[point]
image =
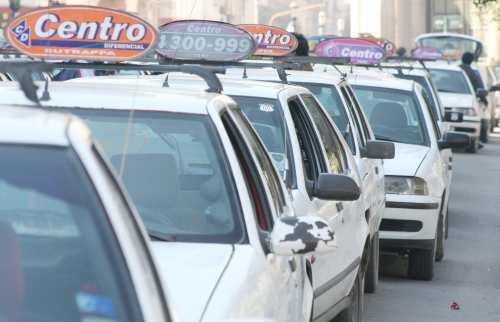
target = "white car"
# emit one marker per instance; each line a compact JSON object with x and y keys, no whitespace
{"x":71,"y":245}
{"x":415,"y":182}
{"x":457,"y":94}
{"x":338,"y":100}
{"x":227,"y":240}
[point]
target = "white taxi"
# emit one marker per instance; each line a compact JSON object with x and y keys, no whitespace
{"x":416,"y":180}
{"x":338,"y":100}
{"x":71,"y":245}
{"x":457,"y":94}
{"x":225,"y":235}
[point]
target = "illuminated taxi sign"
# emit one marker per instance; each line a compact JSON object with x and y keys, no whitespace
{"x":202,"y":40}
{"x":81,"y":32}
{"x":272,"y":41}
{"x":388,"y":46}
{"x":427,"y":53}
{"x":359,"y":51}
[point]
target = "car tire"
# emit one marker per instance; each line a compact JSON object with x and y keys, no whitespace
{"x":440,"y":239}
{"x":421,"y":263}
{"x":447,"y":223}
{"x":473,"y":147}
{"x":372,"y":271}
{"x":354,"y":312}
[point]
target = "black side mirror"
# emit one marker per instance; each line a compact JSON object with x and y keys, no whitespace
{"x":495,"y":88}
{"x":482,"y":94}
{"x":454,"y":117}
{"x":335,"y":187}
{"x":378,"y":150}
{"x":454,"y":140}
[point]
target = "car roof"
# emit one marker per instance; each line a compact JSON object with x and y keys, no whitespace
{"x":445,"y":34}
{"x":186,"y":83}
{"x":443,"y":64}
{"x":33,"y":126}
{"x":89,"y":93}
{"x":270,"y":74}
{"x":384,"y":82}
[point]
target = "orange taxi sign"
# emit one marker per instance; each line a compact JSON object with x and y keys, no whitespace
{"x":271,"y":41}
{"x":81,"y":32}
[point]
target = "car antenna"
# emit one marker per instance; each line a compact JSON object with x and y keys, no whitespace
{"x":165,"y":82}
{"x":245,"y":75}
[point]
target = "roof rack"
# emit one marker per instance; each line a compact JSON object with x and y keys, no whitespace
{"x":23,"y":71}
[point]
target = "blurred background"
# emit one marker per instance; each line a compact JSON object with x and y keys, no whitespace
{"x":397,"y":20}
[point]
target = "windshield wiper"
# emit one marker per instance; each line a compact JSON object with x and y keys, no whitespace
{"x":158,"y":236}
{"x":384,"y":138}
{"x":447,"y":91}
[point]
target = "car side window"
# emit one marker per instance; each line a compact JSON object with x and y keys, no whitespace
{"x":435,"y":125}
{"x":360,"y":113}
{"x":312,"y":159}
{"x":336,"y":156}
{"x":244,"y":142}
{"x":361,"y":137}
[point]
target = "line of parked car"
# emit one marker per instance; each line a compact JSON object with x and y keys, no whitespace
{"x":222,"y":191}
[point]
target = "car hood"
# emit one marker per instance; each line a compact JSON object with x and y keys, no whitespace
{"x":457,"y":100}
{"x":190,"y":272}
{"x":407,"y":159}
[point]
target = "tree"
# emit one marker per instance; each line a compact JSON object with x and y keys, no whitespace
{"x":480,"y":3}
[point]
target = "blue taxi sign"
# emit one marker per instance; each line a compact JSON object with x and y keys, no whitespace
{"x":203,"y":40}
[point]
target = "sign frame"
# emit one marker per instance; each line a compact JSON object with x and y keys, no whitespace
{"x":150,"y":31}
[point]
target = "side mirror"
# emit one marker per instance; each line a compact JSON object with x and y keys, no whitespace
{"x":301,"y":235}
{"x":335,"y":187}
{"x":454,"y":117}
{"x":454,"y":140}
{"x":379,"y":150}
{"x":495,"y":88}
{"x":482,"y":93}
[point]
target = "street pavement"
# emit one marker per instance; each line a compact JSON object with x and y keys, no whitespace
{"x":470,"y":272}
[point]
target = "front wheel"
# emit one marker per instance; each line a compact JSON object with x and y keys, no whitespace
{"x":440,"y":239}
{"x":421,"y":263}
{"x":372,"y":271}
{"x":473,"y":147}
{"x":354,"y":312}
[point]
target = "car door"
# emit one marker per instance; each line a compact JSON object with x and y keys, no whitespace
{"x":290,"y":286}
{"x":331,"y":272}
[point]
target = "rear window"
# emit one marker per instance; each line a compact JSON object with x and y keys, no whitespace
{"x":58,"y":261}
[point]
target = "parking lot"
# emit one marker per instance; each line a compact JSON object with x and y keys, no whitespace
{"x":468,"y":274}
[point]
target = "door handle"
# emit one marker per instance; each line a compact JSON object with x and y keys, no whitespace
{"x":376,"y":170}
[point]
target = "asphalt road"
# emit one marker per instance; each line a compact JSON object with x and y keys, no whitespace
{"x":470,"y":272}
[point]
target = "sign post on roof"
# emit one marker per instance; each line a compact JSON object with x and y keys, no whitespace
{"x":81,"y":32}
{"x":430,"y":53}
{"x":360,"y":51}
{"x":203,"y":40}
{"x":272,"y":41}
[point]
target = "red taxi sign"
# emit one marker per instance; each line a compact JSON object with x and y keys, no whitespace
{"x":81,"y":32}
{"x":389,"y":47}
{"x":359,"y":51}
{"x":272,"y":41}
{"x":203,"y":40}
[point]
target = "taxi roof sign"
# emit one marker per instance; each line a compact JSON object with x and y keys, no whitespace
{"x":272,"y":41}
{"x":360,"y":51}
{"x":429,"y":53}
{"x":204,"y":40}
{"x":81,"y":32}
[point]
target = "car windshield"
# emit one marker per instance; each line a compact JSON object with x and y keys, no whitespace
{"x":450,"y":81}
{"x":58,"y":258}
{"x":174,"y":168}
{"x":423,"y":81}
{"x":394,"y":115}
{"x":268,"y":120}
{"x":330,"y":99}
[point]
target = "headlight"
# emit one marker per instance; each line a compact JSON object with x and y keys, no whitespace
{"x":405,"y":186}
{"x":467,"y":111}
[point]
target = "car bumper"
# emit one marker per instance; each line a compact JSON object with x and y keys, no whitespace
{"x":473,"y":128}
{"x":409,"y":218}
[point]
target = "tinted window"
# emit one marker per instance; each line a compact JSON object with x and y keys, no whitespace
{"x":450,"y":81}
{"x":58,"y":261}
{"x":423,"y":81}
{"x":174,"y":169}
{"x":394,"y":115}
{"x":268,"y":120}
{"x":333,"y":148}
{"x":271,"y":180}
{"x":331,"y":101}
